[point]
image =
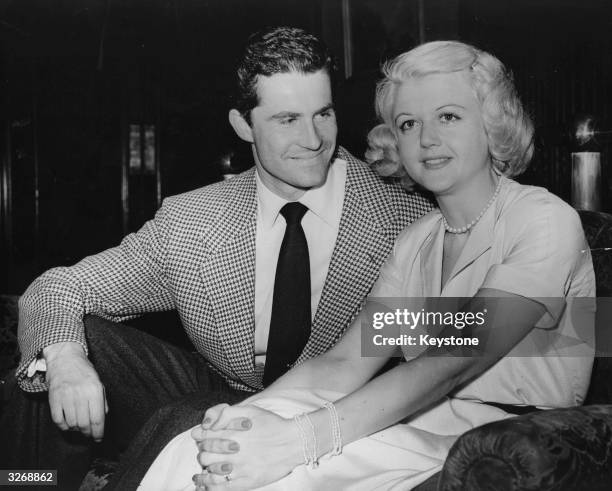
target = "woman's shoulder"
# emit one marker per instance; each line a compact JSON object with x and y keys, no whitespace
{"x":522,"y":204}
{"x":419,"y":230}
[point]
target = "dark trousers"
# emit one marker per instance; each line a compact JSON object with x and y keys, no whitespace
{"x":154,"y":392}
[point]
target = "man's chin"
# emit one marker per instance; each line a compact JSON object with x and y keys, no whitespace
{"x":315,"y":180}
{"x":309,"y":177}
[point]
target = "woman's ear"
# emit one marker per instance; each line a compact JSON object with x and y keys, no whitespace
{"x":241,"y":126}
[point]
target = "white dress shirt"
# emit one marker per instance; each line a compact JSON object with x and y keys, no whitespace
{"x":320,"y":223}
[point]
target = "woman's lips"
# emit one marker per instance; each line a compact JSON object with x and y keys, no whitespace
{"x":436,"y":162}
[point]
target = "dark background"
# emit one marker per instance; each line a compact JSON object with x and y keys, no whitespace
{"x":74,"y":74}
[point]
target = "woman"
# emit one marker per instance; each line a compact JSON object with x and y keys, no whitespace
{"x":452,"y":123}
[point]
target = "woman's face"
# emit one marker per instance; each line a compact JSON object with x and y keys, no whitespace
{"x":441,"y":138}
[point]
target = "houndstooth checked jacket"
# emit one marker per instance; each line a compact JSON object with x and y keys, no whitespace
{"x":198,"y":256}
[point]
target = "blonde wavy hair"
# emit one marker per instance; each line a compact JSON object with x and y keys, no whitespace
{"x":507,"y":125}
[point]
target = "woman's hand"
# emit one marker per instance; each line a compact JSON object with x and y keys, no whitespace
{"x":246,"y":446}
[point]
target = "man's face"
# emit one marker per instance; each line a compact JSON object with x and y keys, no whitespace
{"x":293,"y":131}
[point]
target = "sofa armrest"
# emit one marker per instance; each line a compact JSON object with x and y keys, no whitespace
{"x":559,"y":449}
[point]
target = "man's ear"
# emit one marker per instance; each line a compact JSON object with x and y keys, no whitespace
{"x":240,"y":125}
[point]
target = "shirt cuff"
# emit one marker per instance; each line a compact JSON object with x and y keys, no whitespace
{"x":37,"y":365}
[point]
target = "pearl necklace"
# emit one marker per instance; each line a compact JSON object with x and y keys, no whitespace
{"x":466,"y":228}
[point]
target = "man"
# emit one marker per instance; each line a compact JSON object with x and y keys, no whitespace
{"x":260,"y":282}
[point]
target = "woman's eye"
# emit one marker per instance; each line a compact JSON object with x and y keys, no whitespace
{"x":407,"y":125}
{"x":449,"y":117}
{"x":287,"y":120}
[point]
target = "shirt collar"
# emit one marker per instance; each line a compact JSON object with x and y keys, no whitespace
{"x":325,"y":201}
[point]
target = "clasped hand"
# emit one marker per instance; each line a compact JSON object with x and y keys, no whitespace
{"x":244,"y":447}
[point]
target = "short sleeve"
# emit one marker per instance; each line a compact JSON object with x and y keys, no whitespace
{"x":545,"y":254}
{"x":391,"y":277}
{"x":397,"y":276}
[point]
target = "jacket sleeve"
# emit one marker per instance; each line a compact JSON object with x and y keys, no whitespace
{"x":117,"y":284}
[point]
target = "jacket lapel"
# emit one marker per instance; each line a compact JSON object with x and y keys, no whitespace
{"x":228,"y":271}
{"x":361,"y":248}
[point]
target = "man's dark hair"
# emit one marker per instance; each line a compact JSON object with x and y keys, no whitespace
{"x":278,"y":50}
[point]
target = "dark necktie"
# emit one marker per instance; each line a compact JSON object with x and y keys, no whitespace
{"x":291,"y":317}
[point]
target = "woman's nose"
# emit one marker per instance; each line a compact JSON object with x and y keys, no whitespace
{"x":429,"y":135}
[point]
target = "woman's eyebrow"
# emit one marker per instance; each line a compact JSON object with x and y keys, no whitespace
{"x":402,"y":114}
{"x":450,"y":104}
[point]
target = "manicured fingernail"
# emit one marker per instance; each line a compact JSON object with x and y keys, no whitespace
{"x":198,"y":480}
{"x":234,"y":446}
{"x":246,"y":424}
{"x":226,"y":468}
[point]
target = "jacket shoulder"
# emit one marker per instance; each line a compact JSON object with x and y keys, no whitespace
{"x":389,"y":201}
{"x":212,"y":199}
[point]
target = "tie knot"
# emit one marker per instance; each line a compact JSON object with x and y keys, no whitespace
{"x":293,"y":212}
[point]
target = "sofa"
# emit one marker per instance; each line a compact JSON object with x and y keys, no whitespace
{"x":562,"y":449}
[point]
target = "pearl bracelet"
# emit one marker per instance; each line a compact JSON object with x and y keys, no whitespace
{"x":310,"y":454}
{"x":335,"y":428}
{"x":304,"y":424}
{"x":303,"y":437}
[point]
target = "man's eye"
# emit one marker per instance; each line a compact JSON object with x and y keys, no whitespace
{"x":449,"y":117}
{"x":326,"y":114}
{"x":288,"y":120}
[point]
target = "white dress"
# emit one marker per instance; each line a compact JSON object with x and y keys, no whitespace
{"x":529,"y":243}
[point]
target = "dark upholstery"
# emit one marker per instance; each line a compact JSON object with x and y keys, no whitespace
{"x":598,"y":230}
{"x":9,"y":352}
{"x":561,"y":449}
{"x":99,"y":475}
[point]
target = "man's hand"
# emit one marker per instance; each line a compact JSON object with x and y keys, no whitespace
{"x":76,"y":395}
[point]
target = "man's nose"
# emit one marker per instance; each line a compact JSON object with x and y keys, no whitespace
{"x":310,"y":136}
{"x":429,"y":135}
